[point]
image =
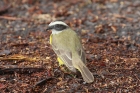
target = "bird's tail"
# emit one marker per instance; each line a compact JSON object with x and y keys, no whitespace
{"x":86,"y":74}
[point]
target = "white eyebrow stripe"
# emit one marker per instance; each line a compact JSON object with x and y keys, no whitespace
{"x":57,"y":22}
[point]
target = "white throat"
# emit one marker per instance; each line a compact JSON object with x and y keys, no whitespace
{"x":55,"y":32}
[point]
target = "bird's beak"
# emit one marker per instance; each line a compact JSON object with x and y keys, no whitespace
{"x":49,"y":28}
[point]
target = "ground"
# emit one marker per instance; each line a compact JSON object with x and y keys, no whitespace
{"x":110,"y":34}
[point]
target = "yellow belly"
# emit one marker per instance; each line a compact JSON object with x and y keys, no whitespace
{"x":60,"y":61}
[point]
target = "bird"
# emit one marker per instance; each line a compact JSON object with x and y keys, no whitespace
{"x":69,"y":50}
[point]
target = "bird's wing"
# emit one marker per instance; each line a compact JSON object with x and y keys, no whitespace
{"x":65,"y":56}
{"x":80,"y":49}
{"x":81,"y":53}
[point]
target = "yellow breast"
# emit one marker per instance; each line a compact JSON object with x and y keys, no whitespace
{"x":51,"y":39}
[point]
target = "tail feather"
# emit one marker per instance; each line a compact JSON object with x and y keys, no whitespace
{"x":86,"y":74}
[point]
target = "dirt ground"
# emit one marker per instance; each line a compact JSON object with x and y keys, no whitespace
{"x":110,"y":33}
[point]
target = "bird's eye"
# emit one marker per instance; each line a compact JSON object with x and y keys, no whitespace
{"x":59,"y":27}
